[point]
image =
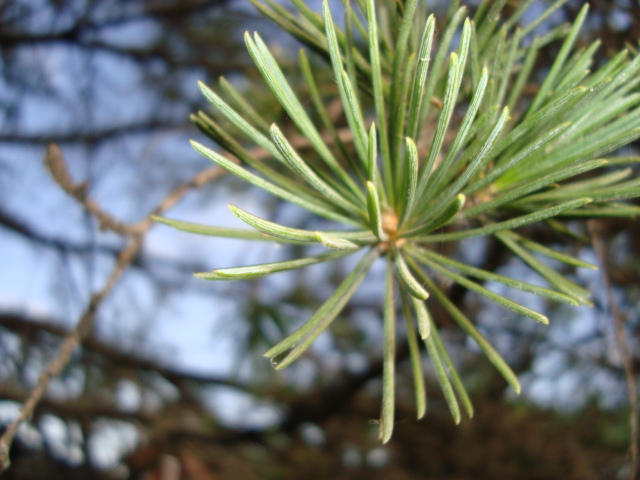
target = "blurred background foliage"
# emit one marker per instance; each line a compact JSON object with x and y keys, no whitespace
{"x":171,"y":383}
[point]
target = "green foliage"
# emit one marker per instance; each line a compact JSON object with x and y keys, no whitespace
{"x":443,"y":146}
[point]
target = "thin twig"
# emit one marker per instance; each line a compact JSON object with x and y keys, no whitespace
{"x":57,"y":166}
{"x":81,"y":410}
{"x":29,"y":328}
{"x":618,"y":323}
{"x":73,"y":340}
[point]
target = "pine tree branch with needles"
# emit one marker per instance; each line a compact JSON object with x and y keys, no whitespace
{"x":445,"y":146}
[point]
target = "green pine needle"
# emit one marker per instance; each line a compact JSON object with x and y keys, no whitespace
{"x":438,"y":146}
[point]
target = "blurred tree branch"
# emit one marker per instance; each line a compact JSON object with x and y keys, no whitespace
{"x":97,"y":136}
{"x":623,"y":348}
{"x":71,"y":341}
{"x":58,"y":168}
{"x":30,"y":328}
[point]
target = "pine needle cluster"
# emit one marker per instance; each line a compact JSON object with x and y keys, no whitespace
{"x":446,"y":145}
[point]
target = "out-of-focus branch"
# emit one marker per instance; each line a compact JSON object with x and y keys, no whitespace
{"x":8,"y":222}
{"x":95,"y":136}
{"x":82,"y":409}
{"x":57,"y":166}
{"x":67,"y":246}
{"x":29,"y":328}
{"x":55,"y":163}
{"x":75,"y":338}
{"x":618,"y":324}
{"x":170,"y":11}
{"x":145,"y":55}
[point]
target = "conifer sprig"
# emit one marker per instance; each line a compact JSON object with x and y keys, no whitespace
{"x":444,"y":146}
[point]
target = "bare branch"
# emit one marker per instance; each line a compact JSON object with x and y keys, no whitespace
{"x":56,"y":164}
{"x":75,"y":338}
{"x":28,"y":328}
{"x":95,"y":136}
{"x":82,"y":409}
{"x":621,"y":340}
